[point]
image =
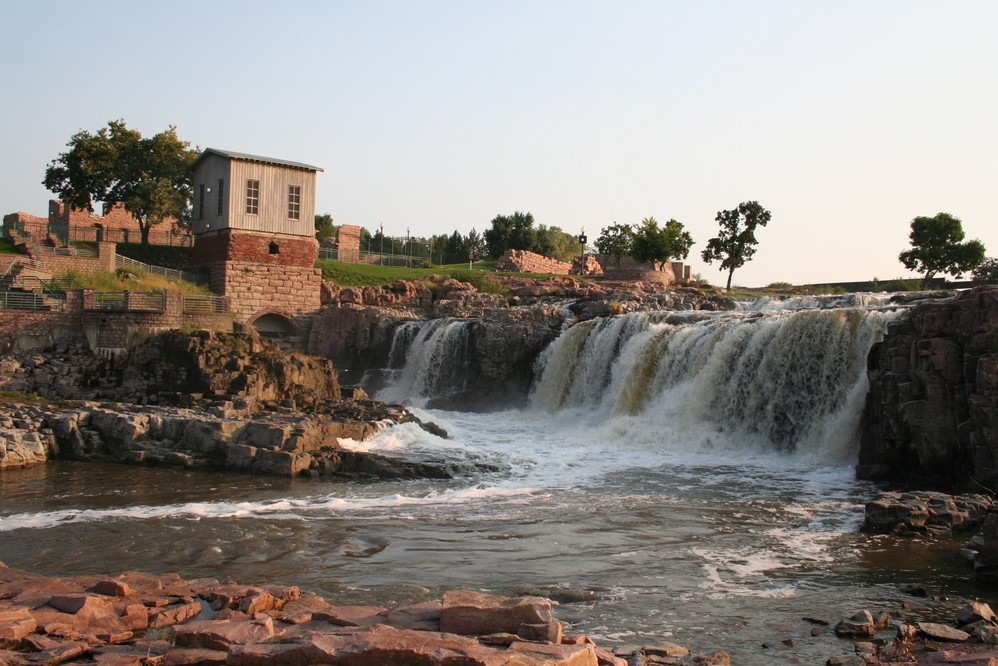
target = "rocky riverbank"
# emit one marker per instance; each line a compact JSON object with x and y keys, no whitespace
{"x":162,"y":620}
{"x":233,"y":402}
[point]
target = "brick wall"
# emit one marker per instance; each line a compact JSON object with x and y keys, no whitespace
{"x":249,"y":246}
{"x":348,"y":242}
{"x":114,"y":218}
{"x":521,"y":261}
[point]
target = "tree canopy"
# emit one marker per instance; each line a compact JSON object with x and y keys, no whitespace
{"x":324,"y":227}
{"x":937,"y":247}
{"x":150,"y":176}
{"x":615,"y":241}
{"x":987,"y":272}
{"x":510,"y":232}
{"x":657,"y":244}
{"x":735,"y":243}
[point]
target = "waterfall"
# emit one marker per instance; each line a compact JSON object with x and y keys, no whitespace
{"x":791,"y":381}
{"x":436,"y":361}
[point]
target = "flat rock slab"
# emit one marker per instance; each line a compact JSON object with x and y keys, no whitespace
{"x":942,"y":632}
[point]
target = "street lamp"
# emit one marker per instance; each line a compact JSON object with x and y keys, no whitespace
{"x":381,"y":255}
{"x":582,"y":255}
{"x":408,"y":249}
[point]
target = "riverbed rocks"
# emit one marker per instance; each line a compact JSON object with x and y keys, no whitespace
{"x":925,"y":512}
{"x":932,"y":411}
{"x":285,"y":443}
{"x":147,"y":619}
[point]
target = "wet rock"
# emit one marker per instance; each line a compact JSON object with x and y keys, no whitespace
{"x":860,"y":625}
{"x":472,"y":613}
{"x":921,"y":512}
{"x":942,"y":632}
{"x":975,"y":612}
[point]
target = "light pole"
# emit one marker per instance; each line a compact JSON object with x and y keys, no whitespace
{"x":408,"y":249}
{"x":381,"y":255}
{"x":582,"y":254}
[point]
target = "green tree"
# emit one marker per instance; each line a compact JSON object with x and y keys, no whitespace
{"x":475,"y":242}
{"x":510,"y":232}
{"x":658,"y":244}
{"x":987,"y":272}
{"x":735,"y":243}
{"x":324,"y":227}
{"x":151,"y":176}
{"x":615,"y":241}
{"x":555,"y":243}
{"x":936,"y":247}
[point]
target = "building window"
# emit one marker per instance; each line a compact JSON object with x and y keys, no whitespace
{"x":294,"y":202}
{"x":274,"y":248}
{"x":221,"y":189}
{"x":201,"y":202}
{"x":252,"y":197}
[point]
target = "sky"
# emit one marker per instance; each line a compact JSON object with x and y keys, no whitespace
{"x":844,"y":119}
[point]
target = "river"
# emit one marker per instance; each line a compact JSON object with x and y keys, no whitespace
{"x":682,"y":477}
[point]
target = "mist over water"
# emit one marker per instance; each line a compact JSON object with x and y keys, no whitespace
{"x":679,"y":476}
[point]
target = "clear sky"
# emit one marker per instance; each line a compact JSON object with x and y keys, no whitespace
{"x":845,"y":119}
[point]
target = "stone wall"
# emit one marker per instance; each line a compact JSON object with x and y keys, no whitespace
{"x":106,"y":331}
{"x":348,"y":242}
{"x":932,"y":411}
{"x":60,"y":264}
{"x":522,"y":261}
{"x":627,"y":268}
{"x":254,"y":289}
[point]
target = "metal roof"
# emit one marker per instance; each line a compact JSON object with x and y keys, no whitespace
{"x":245,"y":157}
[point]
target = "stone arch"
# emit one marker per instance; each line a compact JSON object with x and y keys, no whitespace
{"x":274,"y":325}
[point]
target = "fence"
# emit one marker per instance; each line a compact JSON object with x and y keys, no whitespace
{"x":95,"y":234}
{"x":204,"y":304}
{"x":375,"y":258}
{"x":27,"y":300}
{"x":131,"y":301}
{"x":173,"y":273}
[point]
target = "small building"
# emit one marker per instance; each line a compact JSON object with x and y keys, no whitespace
{"x":254,"y":232}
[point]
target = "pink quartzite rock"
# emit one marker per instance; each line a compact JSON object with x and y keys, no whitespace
{"x":14,"y":625}
{"x":473,"y":613}
{"x":223,"y":634}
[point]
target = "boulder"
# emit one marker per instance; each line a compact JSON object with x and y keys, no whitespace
{"x":472,"y":613}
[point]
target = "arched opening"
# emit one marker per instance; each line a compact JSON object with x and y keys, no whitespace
{"x":274,"y":326}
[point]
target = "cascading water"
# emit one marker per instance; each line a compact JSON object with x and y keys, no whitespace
{"x":436,"y":361}
{"x":790,"y":381}
{"x":675,"y":476}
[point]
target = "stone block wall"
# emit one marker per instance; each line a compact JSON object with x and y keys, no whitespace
{"x":254,"y":289}
{"x":522,"y":261}
{"x":58,"y":264}
{"x":257,"y":247}
{"x":348,"y":242}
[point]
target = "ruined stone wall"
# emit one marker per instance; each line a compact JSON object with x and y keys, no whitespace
{"x":59,"y":264}
{"x":348,"y":242}
{"x":522,"y":261}
{"x":932,"y":411}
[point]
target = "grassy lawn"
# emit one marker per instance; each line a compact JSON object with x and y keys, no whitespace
{"x":362,"y":275}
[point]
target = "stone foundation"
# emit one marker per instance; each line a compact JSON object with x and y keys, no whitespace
{"x":522,"y":261}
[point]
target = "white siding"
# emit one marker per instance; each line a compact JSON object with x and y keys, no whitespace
{"x":272,"y":216}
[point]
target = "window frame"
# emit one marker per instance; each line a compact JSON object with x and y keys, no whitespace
{"x":252,"y":196}
{"x":294,"y":202}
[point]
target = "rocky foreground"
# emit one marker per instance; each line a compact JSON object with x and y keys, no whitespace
{"x":163,"y":620}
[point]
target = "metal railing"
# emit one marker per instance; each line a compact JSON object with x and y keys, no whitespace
{"x":204,"y":304}
{"x":70,"y":251}
{"x":173,"y":273}
{"x":27,"y":300}
{"x":52,"y":288}
{"x":126,"y":301}
{"x":372,"y":258}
